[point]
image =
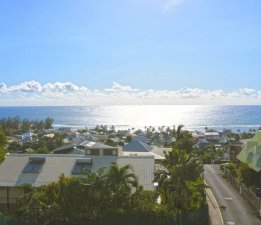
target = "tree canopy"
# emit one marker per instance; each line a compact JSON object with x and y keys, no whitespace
{"x":3,"y":140}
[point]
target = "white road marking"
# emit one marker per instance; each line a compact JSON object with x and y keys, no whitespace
{"x":231,"y":223}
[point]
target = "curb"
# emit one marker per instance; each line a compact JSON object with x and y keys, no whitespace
{"x":208,"y":189}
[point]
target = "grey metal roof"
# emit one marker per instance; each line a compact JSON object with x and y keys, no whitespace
{"x":142,"y":138}
{"x":11,"y":169}
{"x":64,"y":148}
{"x":143,"y":167}
{"x":137,"y":146}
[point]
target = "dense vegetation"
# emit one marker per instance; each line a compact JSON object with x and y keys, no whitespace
{"x":242,"y":173}
{"x":42,"y":144}
{"x":180,"y":182}
{"x":14,"y":126}
{"x":3,"y":142}
{"x":113,"y":196}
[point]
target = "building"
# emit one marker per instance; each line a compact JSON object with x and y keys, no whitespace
{"x":99,"y":149}
{"x":137,"y":146}
{"x":232,"y":149}
{"x":18,"y":170}
{"x":213,"y":137}
{"x":26,"y":137}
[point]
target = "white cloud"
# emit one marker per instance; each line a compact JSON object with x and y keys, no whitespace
{"x":3,"y":87}
{"x":27,"y":86}
{"x":67,"y":93}
{"x":116,"y":87}
{"x":61,"y":87}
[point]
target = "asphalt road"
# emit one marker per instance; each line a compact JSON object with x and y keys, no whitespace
{"x":234,"y":209}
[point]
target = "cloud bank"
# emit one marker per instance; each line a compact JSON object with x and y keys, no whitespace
{"x":67,"y":93}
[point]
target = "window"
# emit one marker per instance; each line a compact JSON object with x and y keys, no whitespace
{"x":109,"y":152}
{"x":82,"y":165}
{"x":34,"y":165}
{"x":95,"y":152}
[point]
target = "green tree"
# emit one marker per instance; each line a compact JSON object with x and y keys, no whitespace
{"x":99,"y":193}
{"x":61,"y":202}
{"x":2,"y":155}
{"x":144,"y":200}
{"x":120,"y":182}
{"x":48,"y":123}
{"x":206,"y":154}
{"x":177,"y":133}
{"x":3,"y":139}
{"x":178,"y":180}
{"x":247,"y":175}
{"x":129,"y":138}
{"x":14,"y":147}
{"x":184,"y":139}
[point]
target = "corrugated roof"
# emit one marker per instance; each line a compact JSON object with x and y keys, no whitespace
{"x":11,"y":169}
{"x":143,"y":167}
{"x":64,"y":149}
{"x":137,"y":146}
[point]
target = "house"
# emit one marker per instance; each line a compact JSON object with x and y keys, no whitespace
{"x":213,"y":137}
{"x":84,"y":137}
{"x":26,"y":137}
{"x":224,"y":141}
{"x":232,"y":149}
{"x":141,"y":138}
{"x":68,"y":149}
{"x":72,"y":135}
{"x":156,"y":139}
{"x":197,"y":135}
{"x":18,"y":170}
{"x":99,"y":149}
{"x":139,"y":148}
{"x":202,"y":143}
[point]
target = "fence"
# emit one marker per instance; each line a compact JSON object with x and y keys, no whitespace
{"x":247,"y":193}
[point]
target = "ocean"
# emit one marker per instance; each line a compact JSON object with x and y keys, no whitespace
{"x":193,"y":117}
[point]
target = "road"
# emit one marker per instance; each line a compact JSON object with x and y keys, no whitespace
{"x":234,"y":209}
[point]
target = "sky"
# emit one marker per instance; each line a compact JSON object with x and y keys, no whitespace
{"x":80,"y":52}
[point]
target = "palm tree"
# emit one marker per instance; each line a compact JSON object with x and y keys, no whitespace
{"x":180,"y":169}
{"x":121,"y":180}
{"x":177,"y":133}
{"x":184,"y":139}
{"x":96,"y":183}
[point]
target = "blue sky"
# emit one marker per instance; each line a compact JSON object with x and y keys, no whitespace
{"x":163,"y":45}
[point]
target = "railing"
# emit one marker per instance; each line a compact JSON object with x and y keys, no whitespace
{"x":247,"y":193}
